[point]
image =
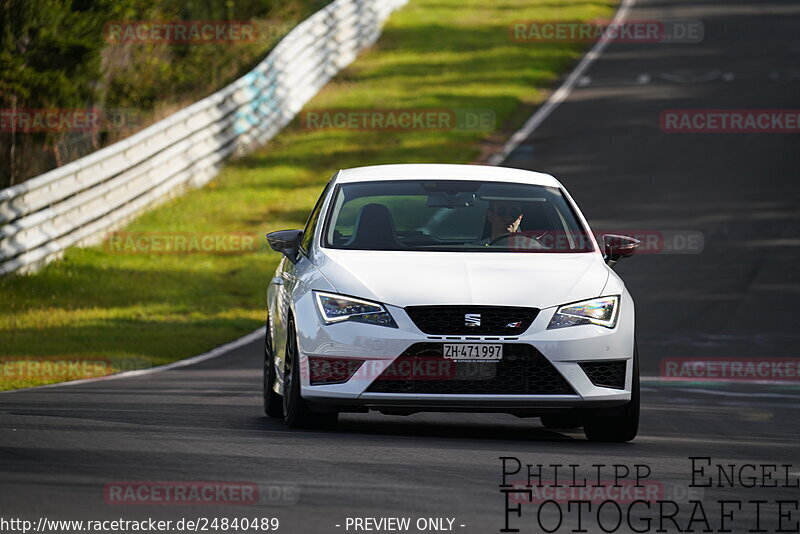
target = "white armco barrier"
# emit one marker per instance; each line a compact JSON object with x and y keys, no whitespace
{"x":78,"y":203}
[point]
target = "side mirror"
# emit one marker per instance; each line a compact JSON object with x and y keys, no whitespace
{"x":287,"y":242}
{"x":616,"y":247}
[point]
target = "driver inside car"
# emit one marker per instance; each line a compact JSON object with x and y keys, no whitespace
{"x":504,"y":218}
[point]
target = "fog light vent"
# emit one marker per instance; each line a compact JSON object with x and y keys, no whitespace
{"x":606,"y":374}
{"x":328,"y":370}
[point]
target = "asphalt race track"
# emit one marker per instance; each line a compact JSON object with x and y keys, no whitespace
{"x":60,"y":447}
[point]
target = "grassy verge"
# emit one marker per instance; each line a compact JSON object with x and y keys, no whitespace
{"x":122,"y":310}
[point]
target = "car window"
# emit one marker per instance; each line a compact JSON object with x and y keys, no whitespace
{"x":453,"y":215}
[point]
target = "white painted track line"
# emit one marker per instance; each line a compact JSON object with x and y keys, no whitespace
{"x":563,"y":92}
{"x":213,"y":353}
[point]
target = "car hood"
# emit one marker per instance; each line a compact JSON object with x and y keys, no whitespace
{"x":539,"y":280}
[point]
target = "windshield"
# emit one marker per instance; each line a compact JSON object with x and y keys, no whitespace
{"x":452,"y":215}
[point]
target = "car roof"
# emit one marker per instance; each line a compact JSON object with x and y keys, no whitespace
{"x":437,"y":171}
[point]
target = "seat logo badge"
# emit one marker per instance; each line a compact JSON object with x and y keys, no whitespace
{"x":472,"y":319}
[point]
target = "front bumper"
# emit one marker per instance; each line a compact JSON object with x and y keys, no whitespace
{"x":565,"y":349}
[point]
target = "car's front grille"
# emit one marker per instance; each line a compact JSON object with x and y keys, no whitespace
{"x":606,"y":374}
{"x":477,"y":320}
{"x":422,"y":369}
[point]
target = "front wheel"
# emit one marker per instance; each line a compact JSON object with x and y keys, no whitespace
{"x":623,"y":424}
{"x":296,"y":411}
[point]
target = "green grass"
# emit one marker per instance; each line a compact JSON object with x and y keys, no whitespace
{"x":142,"y":310}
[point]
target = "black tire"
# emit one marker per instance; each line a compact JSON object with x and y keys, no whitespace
{"x":296,"y":411}
{"x":273,"y":403}
{"x":623,"y":424}
{"x":561,"y":421}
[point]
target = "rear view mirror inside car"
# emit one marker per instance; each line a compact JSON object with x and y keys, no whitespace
{"x":451,"y":199}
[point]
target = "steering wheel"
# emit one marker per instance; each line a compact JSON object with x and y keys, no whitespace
{"x":534,"y":241}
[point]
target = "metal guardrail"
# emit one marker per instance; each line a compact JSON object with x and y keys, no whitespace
{"x":78,"y":203}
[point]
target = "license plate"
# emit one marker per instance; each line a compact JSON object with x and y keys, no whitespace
{"x":473,"y":351}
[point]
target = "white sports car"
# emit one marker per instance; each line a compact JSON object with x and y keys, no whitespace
{"x":451,"y":288}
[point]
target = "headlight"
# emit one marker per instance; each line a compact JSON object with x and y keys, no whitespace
{"x":601,"y":311}
{"x":338,"y":308}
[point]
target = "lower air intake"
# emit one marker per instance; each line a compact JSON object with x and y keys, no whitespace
{"x":522,"y":371}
